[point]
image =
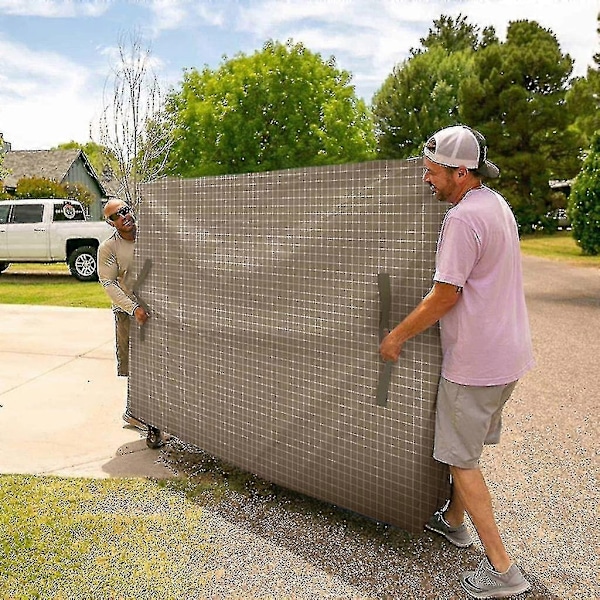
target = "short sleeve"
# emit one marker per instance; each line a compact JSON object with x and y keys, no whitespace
{"x":458,"y":252}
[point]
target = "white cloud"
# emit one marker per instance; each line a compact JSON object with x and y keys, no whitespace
{"x":54,"y":8}
{"x":44,"y":98}
{"x":573,"y":22}
{"x":212,"y":13}
{"x":167,"y":15}
{"x":126,"y":54}
{"x":369,"y":37}
{"x":47,"y":98}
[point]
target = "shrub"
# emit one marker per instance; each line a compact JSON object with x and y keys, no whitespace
{"x":76,"y":191}
{"x":38,"y":187}
{"x":584,"y":203}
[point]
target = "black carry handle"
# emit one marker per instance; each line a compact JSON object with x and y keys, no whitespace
{"x":385,"y":304}
{"x":136,"y":286}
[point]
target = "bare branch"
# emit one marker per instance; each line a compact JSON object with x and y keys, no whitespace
{"x":133,"y":125}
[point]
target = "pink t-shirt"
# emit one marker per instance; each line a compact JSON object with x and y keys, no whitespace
{"x":485,"y":337}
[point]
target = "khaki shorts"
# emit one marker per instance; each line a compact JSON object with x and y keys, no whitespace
{"x":467,"y":418}
{"x":122,"y":325}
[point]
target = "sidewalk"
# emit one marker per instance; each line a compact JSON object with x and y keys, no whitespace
{"x":61,"y":400}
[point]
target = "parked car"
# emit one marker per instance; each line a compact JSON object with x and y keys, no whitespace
{"x":51,"y":230}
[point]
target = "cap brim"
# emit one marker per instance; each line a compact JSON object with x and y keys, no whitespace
{"x":489,"y":169}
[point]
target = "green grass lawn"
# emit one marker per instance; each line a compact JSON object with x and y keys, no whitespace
{"x":52,"y":285}
{"x":560,"y":246}
{"x":49,"y":285}
{"x":106,"y":538}
{"x":132,"y":538}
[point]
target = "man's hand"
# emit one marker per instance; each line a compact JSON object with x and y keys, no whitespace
{"x":390,"y":348}
{"x":141,"y":316}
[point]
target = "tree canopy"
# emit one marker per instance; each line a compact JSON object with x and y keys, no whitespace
{"x":512,"y":91}
{"x":40,"y":187}
{"x":99,"y":156}
{"x":2,"y":172}
{"x":583,"y":101}
{"x":278,"y":108}
{"x":516,"y":98}
{"x":420,"y":96}
{"x":452,"y":35}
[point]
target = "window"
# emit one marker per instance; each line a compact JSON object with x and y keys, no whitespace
{"x":4,"y":210}
{"x":67,"y":211}
{"x":27,"y":213}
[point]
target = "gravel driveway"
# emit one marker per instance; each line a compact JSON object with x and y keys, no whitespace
{"x":543,"y":477}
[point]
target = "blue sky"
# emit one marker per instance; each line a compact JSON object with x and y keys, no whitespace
{"x":56,"y":55}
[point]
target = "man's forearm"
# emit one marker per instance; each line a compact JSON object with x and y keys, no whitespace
{"x":118,"y":296}
{"x":440,"y":300}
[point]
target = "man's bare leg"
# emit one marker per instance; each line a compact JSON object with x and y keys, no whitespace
{"x":454,"y":514}
{"x":470,"y":493}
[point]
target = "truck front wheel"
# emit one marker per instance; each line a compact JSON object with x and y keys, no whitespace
{"x":83,"y":263}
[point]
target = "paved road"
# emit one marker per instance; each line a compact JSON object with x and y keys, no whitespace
{"x":544,"y":474}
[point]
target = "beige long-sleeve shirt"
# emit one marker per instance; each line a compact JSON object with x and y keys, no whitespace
{"x":115,"y":259}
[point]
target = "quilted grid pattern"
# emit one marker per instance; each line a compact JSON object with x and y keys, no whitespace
{"x":262,"y":348}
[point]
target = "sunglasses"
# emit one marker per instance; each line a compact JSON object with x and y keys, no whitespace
{"x":124,"y":210}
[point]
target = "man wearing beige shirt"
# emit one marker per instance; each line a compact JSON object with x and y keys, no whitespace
{"x":115,"y":258}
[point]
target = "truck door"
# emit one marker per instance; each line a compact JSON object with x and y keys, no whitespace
{"x":4,"y":212}
{"x":27,"y":233}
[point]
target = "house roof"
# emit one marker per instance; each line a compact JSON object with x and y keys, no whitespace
{"x":50,"y":164}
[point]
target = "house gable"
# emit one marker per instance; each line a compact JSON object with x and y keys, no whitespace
{"x":62,"y":166}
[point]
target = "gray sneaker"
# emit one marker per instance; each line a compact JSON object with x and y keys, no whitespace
{"x":459,"y":536}
{"x":487,"y":583}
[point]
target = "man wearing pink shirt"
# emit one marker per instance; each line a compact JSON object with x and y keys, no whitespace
{"x":478,"y":299}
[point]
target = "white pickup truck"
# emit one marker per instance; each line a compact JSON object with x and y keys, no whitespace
{"x":50,"y":230}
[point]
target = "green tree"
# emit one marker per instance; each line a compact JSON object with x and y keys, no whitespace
{"x":584,"y":202}
{"x":2,"y":171}
{"x":76,"y":191}
{"x":40,"y":187}
{"x":516,"y":98}
{"x":583,"y":101}
{"x":420,"y":96}
{"x":278,"y":108}
{"x":450,"y":34}
{"x":100,"y":157}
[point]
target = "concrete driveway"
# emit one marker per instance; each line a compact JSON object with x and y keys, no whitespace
{"x":61,"y":400}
